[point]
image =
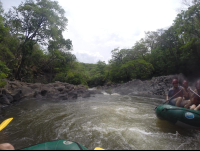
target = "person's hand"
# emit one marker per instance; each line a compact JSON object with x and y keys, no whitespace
{"x":6,"y":146}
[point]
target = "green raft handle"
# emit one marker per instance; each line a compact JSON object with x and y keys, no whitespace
{"x":165,"y":109}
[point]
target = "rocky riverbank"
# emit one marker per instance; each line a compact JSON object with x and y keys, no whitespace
{"x":156,"y":87}
{"x":16,"y":90}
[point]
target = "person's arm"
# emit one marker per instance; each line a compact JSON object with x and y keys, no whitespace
{"x":185,"y":93}
{"x":180,"y":93}
{"x":192,"y":100}
{"x":189,"y":93}
{"x":192,"y":93}
{"x":190,"y":96}
{"x":167,"y":97}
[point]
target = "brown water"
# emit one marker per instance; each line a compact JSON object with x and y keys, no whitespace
{"x":108,"y":121}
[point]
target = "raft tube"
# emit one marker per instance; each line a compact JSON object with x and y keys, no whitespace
{"x":57,"y":145}
{"x":179,"y":116}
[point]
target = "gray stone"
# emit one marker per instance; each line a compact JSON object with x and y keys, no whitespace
{"x":17,"y":95}
{"x":44,"y":92}
{"x":73,"y":94}
{"x":35,"y":86}
{"x":60,"y":88}
{"x":26,"y":91}
{"x":63,"y":96}
{"x":4,"y":99}
{"x":85,"y":95}
{"x":37,"y":95}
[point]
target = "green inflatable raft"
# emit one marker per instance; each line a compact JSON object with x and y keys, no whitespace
{"x":57,"y":145}
{"x":179,"y":116}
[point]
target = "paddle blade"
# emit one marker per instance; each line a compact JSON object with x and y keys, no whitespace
{"x":5,"y":123}
{"x":98,"y":148}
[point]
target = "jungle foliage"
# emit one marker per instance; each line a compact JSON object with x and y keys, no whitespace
{"x":32,"y":46}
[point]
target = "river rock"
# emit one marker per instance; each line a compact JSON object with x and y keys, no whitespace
{"x":60,"y":88}
{"x":155,"y":87}
{"x":16,"y":90}
{"x":8,"y":95}
{"x":17,"y":95}
{"x":43,"y":92}
{"x":37,"y":95}
{"x":26,"y":91}
{"x":15,"y":84}
{"x":35,"y":85}
{"x":86,"y":94}
{"x":73,"y":94}
{"x":65,"y":91}
{"x":4,"y":99}
{"x":63,"y":96}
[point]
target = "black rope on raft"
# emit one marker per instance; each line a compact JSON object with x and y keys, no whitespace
{"x":180,"y":109}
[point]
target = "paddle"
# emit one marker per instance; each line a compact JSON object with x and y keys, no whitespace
{"x":194,"y":92}
{"x":98,"y":148}
{"x":170,"y":98}
{"x":5,"y":123}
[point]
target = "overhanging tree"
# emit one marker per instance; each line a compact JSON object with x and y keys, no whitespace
{"x":40,"y":21}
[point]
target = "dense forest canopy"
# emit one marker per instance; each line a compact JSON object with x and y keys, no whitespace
{"x":36,"y":23}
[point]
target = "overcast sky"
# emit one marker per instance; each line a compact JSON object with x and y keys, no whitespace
{"x":96,"y":27}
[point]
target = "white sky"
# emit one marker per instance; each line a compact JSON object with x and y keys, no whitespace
{"x":96,"y":27}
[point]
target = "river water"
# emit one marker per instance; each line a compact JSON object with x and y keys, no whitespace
{"x":108,"y":121}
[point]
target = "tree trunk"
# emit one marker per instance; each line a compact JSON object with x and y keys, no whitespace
{"x":19,"y":69}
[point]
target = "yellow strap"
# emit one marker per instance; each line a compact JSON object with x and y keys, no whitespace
{"x":98,"y":148}
{"x":5,"y":123}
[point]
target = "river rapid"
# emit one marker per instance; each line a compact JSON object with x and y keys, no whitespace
{"x":114,"y":122}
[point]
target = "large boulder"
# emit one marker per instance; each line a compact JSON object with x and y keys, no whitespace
{"x":70,"y":86}
{"x":17,"y":95}
{"x":43,"y":92}
{"x":15,"y":84}
{"x":37,"y":95}
{"x":8,"y":95}
{"x":86,"y":94}
{"x":4,"y":99}
{"x":26,"y":91}
{"x":57,"y":84}
{"x":60,"y":88}
{"x":63,"y":96}
{"x":73,"y":94}
{"x":48,"y":89}
{"x":35,"y":86}
{"x":65,"y":91}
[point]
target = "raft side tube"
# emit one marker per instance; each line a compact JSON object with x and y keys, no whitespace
{"x":179,"y":116}
{"x":57,"y":145}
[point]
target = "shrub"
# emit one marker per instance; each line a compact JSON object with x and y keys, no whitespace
{"x":4,"y":71}
{"x":70,"y":77}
